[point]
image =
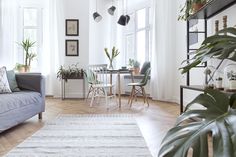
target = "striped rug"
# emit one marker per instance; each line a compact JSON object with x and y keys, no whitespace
{"x":85,"y":136}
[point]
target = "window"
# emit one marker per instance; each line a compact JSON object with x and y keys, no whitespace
{"x":138,"y":37}
{"x":31,"y":29}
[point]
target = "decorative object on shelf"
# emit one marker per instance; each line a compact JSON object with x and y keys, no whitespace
{"x":215,"y":121}
{"x":115,"y":52}
{"x":190,"y":7}
{"x":27,"y":45}
{"x":72,"y":27}
{"x":216,"y":26}
{"x":230,"y":77}
{"x":218,"y":46}
{"x":112,"y":9}
{"x":218,"y":83}
{"x":225,"y":18}
{"x":207,"y":73}
{"x":72,"y":71}
{"x":72,"y":48}
{"x":96,"y":16}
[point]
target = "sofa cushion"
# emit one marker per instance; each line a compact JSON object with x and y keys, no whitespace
{"x":4,"y":85}
{"x":17,"y":100}
{"x":11,"y":76}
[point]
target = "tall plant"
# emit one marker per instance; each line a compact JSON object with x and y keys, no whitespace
{"x":27,"y":44}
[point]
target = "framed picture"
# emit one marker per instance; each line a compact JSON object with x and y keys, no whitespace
{"x":72,"y":48}
{"x":72,"y":27}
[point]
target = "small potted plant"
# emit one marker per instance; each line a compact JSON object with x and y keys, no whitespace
{"x":190,"y":7}
{"x":218,"y":82}
{"x":232,"y":80}
{"x":136,"y":67}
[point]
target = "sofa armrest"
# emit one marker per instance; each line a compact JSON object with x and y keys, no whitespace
{"x":31,"y":81}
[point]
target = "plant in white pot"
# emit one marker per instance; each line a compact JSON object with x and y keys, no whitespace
{"x":218,"y":82}
{"x":232,"y":80}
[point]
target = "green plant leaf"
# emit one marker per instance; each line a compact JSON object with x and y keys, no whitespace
{"x":217,"y":119}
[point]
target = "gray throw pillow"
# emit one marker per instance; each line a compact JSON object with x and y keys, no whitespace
{"x":11,"y":76}
{"x":145,"y":67}
{"x":4,"y":85}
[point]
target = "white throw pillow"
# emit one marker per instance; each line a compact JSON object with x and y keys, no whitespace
{"x":4,"y":85}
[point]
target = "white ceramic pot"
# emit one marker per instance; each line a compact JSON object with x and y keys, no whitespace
{"x":218,"y":83}
{"x":232,"y":84}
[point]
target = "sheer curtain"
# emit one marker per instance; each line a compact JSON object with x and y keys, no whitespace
{"x":8,"y":33}
{"x":163,"y":53}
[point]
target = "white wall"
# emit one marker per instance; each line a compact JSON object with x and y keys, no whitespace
{"x":74,"y":9}
{"x":197,"y":76}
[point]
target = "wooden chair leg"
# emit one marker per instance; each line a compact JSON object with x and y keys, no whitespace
{"x":40,"y":115}
{"x":90,"y":90}
{"x":145,"y":96}
{"x":93,"y":97}
{"x":132,"y":96}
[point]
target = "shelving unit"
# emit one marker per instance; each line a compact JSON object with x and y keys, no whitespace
{"x":211,"y":9}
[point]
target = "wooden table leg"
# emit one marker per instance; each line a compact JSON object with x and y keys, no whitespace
{"x":111,"y":83}
{"x":119,"y":91}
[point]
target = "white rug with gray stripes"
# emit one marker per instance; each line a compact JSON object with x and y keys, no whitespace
{"x":85,"y":135}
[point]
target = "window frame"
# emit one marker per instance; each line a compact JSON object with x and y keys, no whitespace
{"x":134,"y":32}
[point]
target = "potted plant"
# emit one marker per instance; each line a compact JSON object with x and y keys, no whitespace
{"x":190,"y":7}
{"x":218,"y":82}
{"x":232,"y":80}
{"x":134,"y":65}
{"x":216,"y":120}
{"x":214,"y":123}
{"x":71,"y":72}
{"x":29,"y":56}
{"x":115,"y":52}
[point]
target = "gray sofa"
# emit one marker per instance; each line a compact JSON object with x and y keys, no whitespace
{"x":17,"y":107}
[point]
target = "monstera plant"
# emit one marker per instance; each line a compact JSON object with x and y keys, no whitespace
{"x":220,"y":46}
{"x":216,"y":121}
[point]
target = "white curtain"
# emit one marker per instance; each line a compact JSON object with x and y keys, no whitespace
{"x":8,"y":33}
{"x":163,"y":53}
{"x":53,"y":52}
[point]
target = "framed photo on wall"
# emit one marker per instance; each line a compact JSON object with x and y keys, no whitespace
{"x":72,"y":27}
{"x":72,"y":47}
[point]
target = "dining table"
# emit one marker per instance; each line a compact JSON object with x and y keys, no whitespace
{"x":119,"y":72}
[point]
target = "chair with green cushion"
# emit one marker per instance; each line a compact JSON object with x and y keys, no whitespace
{"x":140,"y":89}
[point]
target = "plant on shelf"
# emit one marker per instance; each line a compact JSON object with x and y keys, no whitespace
{"x":218,"y":82}
{"x":72,"y":71}
{"x":216,"y":121}
{"x":27,"y":45}
{"x":115,"y":52}
{"x":134,"y":65}
{"x":232,"y":80}
{"x":190,"y":7}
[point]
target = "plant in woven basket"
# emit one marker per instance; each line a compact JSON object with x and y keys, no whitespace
{"x":72,"y":71}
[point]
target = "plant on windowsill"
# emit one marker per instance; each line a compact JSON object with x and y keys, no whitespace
{"x":217,"y":119}
{"x":29,"y":56}
{"x":134,"y":65}
{"x":190,"y":7}
{"x":115,"y":52}
{"x":71,"y":72}
{"x":232,"y":80}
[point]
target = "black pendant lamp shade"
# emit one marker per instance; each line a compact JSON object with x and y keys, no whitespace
{"x":124,"y":20}
{"x":111,"y":10}
{"x":97,"y":17}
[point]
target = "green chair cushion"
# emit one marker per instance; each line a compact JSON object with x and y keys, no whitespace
{"x":145,"y":67}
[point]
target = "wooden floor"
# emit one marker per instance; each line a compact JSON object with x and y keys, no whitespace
{"x":154,"y":121}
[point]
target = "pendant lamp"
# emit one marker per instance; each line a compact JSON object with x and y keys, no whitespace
{"x":96,"y":16}
{"x":124,"y":19}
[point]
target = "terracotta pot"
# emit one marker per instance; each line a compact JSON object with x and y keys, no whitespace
{"x":136,"y":71}
{"x":197,"y":6}
{"x":24,"y":69}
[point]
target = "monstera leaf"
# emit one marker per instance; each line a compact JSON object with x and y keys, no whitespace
{"x":217,"y":120}
{"x":221,"y":46}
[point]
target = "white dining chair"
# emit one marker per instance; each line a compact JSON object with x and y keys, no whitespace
{"x":98,"y":78}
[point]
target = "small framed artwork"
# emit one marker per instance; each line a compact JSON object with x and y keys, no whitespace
{"x":72,"y":27}
{"x":72,"y":48}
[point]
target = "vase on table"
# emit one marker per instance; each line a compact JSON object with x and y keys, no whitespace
{"x":111,"y":65}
